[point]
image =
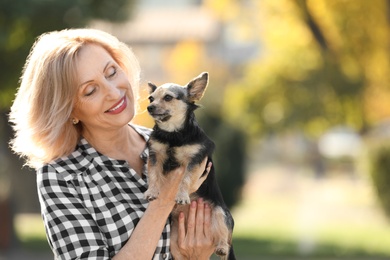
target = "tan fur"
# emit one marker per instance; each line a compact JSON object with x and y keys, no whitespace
{"x":156,"y":179}
{"x":182,"y":154}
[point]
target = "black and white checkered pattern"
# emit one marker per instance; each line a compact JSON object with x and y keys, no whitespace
{"x":91,"y":203}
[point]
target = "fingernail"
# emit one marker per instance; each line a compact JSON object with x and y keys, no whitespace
{"x":193,"y":204}
{"x":206,"y":205}
{"x":200,"y":200}
{"x":181,"y":215}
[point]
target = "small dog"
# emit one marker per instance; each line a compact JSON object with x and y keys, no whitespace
{"x":177,"y":140}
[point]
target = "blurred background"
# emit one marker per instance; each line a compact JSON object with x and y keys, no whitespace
{"x":298,"y":103}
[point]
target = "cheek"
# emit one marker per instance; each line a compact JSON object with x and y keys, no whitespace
{"x":131,"y":96}
{"x":124,"y":81}
{"x":77,"y":109}
{"x":180,"y":108}
{"x":85,"y":108}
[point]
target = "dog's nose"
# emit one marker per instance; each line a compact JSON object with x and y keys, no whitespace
{"x":151,"y":109}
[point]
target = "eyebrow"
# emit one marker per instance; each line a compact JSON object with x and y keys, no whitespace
{"x":91,"y":80}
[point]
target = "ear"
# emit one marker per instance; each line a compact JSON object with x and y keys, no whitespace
{"x":197,"y":86}
{"x":152,"y":87}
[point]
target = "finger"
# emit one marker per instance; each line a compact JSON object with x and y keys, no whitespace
{"x":182,"y":229}
{"x":191,"y":220}
{"x":207,"y":220}
{"x":204,"y":162}
{"x":199,"y":219}
{"x":203,"y":176}
{"x":209,"y":166}
{"x":208,"y":169}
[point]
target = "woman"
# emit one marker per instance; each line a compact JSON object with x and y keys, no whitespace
{"x":71,"y":119}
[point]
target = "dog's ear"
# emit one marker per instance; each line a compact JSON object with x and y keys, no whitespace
{"x":152,"y":87}
{"x":197,"y":86}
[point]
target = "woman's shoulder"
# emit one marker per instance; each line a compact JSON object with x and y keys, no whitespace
{"x":67,"y":166}
{"x":142,"y":130}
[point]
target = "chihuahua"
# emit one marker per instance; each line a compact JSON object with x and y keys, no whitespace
{"x":177,"y":140}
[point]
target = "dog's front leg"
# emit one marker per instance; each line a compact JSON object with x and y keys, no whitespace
{"x":154,"y":176}
{"x":183,"y":196}
{"x":153,"y":190}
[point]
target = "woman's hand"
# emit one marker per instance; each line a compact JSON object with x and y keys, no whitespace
{"x":169,"y":188}
{"x":196,"y":241}
{"x":202,"y":169}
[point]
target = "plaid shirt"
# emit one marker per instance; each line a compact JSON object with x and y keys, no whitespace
{"x":91,"y":204}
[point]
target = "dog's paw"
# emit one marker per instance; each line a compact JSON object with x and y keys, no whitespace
{"x":220,"y":251}
{"x":151,"y":195}
{"x":183,"y":199}
{"x":222,"y":248}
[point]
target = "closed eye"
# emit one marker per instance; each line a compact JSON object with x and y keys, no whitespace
{"x":90,"y":93}
{"x":89,"y":90}
{"x":112,"y":72}
{"x":168,"y":98}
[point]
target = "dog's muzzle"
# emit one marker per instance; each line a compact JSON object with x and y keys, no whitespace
{"x":158,"y":116}
{"x":151,"y":109}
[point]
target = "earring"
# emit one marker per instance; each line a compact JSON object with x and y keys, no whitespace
{"x":75,"y":121}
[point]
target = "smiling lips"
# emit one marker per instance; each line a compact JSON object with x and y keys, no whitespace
{"x":118,"y":107}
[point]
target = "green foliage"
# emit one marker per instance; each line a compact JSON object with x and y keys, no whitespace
{"x":230,"y":154}
{"x":21,"y":21}
{"x":380,"y":173}
{"x":323,"y":63}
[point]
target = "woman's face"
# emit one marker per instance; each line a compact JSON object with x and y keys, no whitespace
{"x":105,"y":98}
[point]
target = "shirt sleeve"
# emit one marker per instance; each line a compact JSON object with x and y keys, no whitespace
{"x":70,"y":229}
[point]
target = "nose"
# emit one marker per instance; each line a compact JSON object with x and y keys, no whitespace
{"x":112,"y":91}
{"x":151,"y":108}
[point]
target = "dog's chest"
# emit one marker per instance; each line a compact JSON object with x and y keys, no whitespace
{"x":181,"y":154}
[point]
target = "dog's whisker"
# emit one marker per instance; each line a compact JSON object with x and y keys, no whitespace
{"x":143,"y":99}
{"x":141,"y":112}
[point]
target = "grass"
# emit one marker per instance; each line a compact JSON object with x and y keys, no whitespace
{"x":289,"y":216}
{"x":248,"y":248}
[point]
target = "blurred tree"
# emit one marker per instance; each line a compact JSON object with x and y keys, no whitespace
{"x":379,"y":166}
{"x":230,"y":154}
{"x":21,"y":21}
{"x":323,"y":63}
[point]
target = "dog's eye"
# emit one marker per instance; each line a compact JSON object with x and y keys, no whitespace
{"x":151,"y":99}
{"x":168,"y":97}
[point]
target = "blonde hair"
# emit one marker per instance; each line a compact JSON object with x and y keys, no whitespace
{"x":45,"y":99}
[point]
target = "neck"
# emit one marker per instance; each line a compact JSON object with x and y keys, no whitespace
{"x":185,"y":134}
{"x":114,"y":144}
